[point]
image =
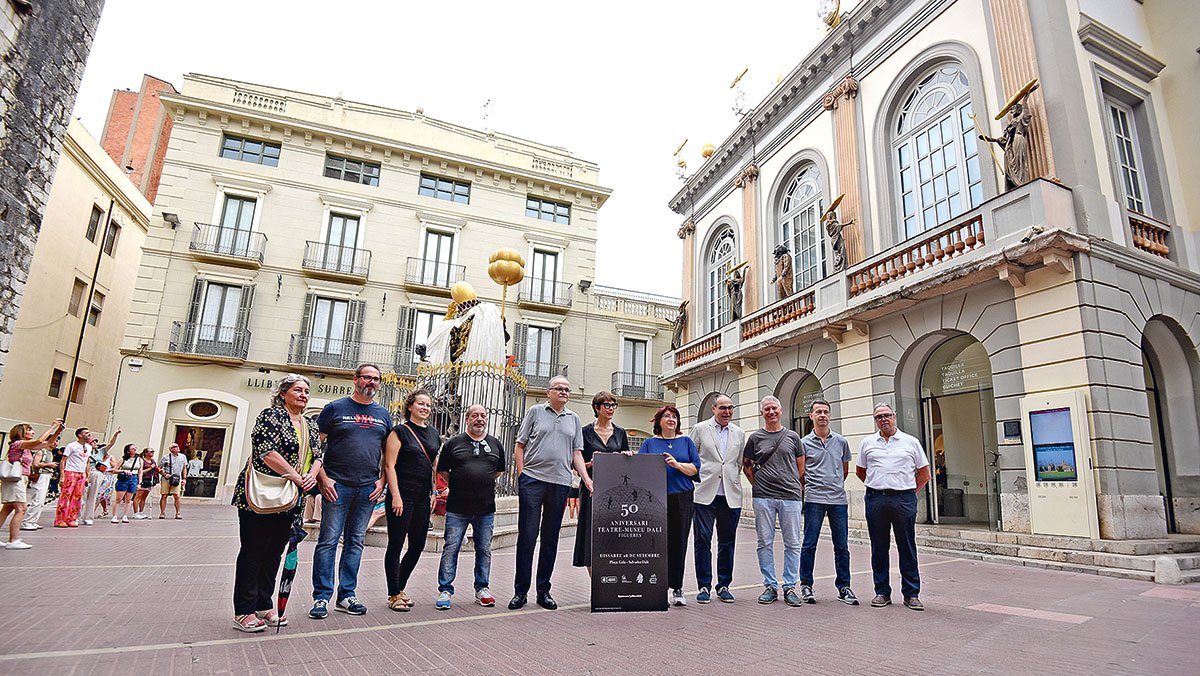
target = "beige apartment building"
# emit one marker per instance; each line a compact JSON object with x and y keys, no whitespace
{"x":968,"y":305}
{"x":80,"y":285}
{"x":295,"y":232}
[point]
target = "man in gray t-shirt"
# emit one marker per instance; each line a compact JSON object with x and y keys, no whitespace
{"x":773,"y":463}
{"x":826,"y":465}
{"x":549,"y":443}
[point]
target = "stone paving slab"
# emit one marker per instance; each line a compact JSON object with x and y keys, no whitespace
{"x":154,"y":598}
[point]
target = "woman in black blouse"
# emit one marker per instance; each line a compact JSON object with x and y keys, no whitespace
{"x":283,"y":443}
{"x":601,"y":436}
{"x":408,"y":461}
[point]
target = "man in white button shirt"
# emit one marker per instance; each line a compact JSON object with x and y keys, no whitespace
{"x":718,"y":497}
{"x":893,"y":467}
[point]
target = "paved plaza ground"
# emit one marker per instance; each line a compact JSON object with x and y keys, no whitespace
{"x":154,"y":598}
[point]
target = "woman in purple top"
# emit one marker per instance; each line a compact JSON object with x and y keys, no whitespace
{"x":12,"y":493}
{"x":683,"y":470}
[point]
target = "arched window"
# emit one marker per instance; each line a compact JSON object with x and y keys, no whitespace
{"x":720,"y":258}
{"x":937,"y":158}
{"x":800,"y":227}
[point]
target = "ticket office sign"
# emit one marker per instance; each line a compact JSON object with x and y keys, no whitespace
{"x":629,"y":533}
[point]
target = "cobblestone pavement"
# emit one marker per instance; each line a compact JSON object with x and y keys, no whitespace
{"x":154,"y":597}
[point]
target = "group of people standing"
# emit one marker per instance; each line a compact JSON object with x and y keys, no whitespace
{"x":89,"y":478}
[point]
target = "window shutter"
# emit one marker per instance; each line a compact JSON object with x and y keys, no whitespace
{"x":354,"y":322}
{"x":520,"y":338}
{"x":300,"y":342}
{"x":554,"y":366}
{"x":192,"y":327}
{"x":405,"y":333}
{"x":241,"y":338}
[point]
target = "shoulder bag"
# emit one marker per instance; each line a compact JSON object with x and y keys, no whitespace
{"x":10,"y":471}
{"x":439,"y":507}
{"x":270,"y":494}
{"x":761,"y":460}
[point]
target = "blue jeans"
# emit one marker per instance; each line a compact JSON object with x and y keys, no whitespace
{"x":814,"y":514}
{"x":726,"y":519}
{"x":346,"y":518}
{"x":541,"y":506}
{"x":885,"y":514}
{"x":788,"y":512}
{"x":456,"y":530}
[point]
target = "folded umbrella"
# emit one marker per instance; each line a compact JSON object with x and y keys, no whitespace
{"x":290,"y":560}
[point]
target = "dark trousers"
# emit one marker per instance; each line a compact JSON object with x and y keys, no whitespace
{"x":540,"y":511}
{"x":814,"y":514}
{"x":726,"y":519}
{"x":679,"y":525}
{"x":263,"y":539}
{"x":887,"y":514}
{"x":412,"y":525}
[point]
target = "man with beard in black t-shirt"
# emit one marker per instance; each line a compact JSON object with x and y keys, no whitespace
{"x":470,"y":463}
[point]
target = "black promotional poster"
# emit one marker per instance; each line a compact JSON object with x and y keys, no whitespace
{"x":629,"y":536}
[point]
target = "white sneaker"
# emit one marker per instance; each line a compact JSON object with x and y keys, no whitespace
{"x":88,"y":522}
{"x":17,"y":544}
{"x":124,"y":519}
{"x":677,"y":598}
{"x":23,"y":527}
{"x":116,"y":520}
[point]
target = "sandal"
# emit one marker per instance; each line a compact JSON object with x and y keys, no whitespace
{"x":405,"y":600}
{"x":249,"y":623}
{"x":179,"y":517}
{"x":272,"y":618}
{"x":397,"y":603}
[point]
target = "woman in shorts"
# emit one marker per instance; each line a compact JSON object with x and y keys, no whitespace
{"x":149,"y":478}
{"x":129,"y":477}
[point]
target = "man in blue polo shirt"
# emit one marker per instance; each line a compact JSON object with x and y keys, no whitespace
{"x":826,"y":465}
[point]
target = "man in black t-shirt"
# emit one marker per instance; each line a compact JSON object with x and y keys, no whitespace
{"x":470,"y":463}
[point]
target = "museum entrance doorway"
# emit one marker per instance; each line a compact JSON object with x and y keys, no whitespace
{"x":959,"y":425}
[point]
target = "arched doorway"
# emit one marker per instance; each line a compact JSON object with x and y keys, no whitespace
{"x":1170,"y":366}
{"x":959,"y":433}
{"x":801,"y":388}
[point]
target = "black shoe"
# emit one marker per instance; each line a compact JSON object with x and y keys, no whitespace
{"x":518,"y":602}
{"x":913,"y":603}
{"x":846,"y":596}
{"x":547,"y":601}
{"x":806,"y":594}
{"x":880,"y":601}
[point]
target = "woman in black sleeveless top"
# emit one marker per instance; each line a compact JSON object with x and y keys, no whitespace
{"x":601,"y":436}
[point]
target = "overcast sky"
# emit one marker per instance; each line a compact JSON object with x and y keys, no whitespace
{"x":620,"y":83}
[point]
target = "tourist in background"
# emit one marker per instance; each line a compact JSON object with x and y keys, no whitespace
{"x":73,"y":479}
{"x":283,"y":444}
{"x":173,"y":466}
{"x":149,"y":479}
{"x":195,"y":465}
{"x":21,"y":447}
{"x":129,"y":475}
{"x":601,"y":436}
{"x":98,"y":462}
{"x":41,"y":474}
{"x":683,"y":469}
{"x":408,"y":457}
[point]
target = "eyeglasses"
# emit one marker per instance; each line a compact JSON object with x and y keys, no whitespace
{"x":369,"y":379}
{"x":724,"y":408}
{"x":609,"y":404}
{"x":885,"y":416}
{"x":561,"y":389}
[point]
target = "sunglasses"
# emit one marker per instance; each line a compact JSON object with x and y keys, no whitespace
{"x":609,"y":404}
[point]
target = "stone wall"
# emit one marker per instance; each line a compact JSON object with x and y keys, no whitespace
{"x":41,"y":65}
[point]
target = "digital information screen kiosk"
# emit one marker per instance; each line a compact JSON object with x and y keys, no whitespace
{"x":1058,"y":465}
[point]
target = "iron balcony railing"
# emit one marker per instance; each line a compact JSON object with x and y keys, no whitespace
{"x":223,"y":240}
{"x":637,"y":385}
{"x":433,"y":273}
{"x":545,"y":292}
{"x":336,"y":259}
{"x":208,"y":339}
{"x":336,"y":353}
{"x":539,"y":373}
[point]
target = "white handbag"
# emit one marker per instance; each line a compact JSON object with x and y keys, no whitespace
{"x":11,"y":471}
{"x":267,"y":494}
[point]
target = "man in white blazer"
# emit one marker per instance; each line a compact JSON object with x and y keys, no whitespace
{"x":718,"y":498}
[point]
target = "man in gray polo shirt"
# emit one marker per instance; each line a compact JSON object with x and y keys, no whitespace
{"x":826,"y":465}
{"x":549,"y":443}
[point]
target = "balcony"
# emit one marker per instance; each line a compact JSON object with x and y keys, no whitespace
{"x":321,"y":353}
{"x":637,"y":385}
{"x":635,"y":303}
{"x":1149,"y":235}
{"x":435,"y":276}
{"x":223,"y":343}
{"x":230,"y":246}
{"x":539,"y":373}
{"x":545,"y":293}
{"x":332,"y":261}
{"x":1029,"y":227}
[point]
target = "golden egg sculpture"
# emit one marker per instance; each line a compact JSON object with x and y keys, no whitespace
{"x":506,"y":266}
{"x":708,"y":150}
{"x":462,"y":292}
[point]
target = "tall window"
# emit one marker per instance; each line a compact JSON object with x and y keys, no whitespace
{"x":719,"y":260}
{"x":633,"y":367}
{"x":341,"y":240}
{"x":56,"y":382}
{"x":77,"y":389}
{"x":543,"y":276}
{"x":77,"y":291}
{"x":937,"y":157}
{"x":94,"y":223}
{"x":546,"y":210}
{"x":219,"y":314}
{"x":538,"y":348}
{"x":1129,"y":155}
{"x":110,"y":238}
{"x":328,"y":334}
{"x":97,"y":307}
{"x":250,"y":150}
{"x":355,"y":171}
{"x":435,"y":258}
{"x":233,"y":233}
{"x":445,"y":189}
{"x":800,"y":227}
